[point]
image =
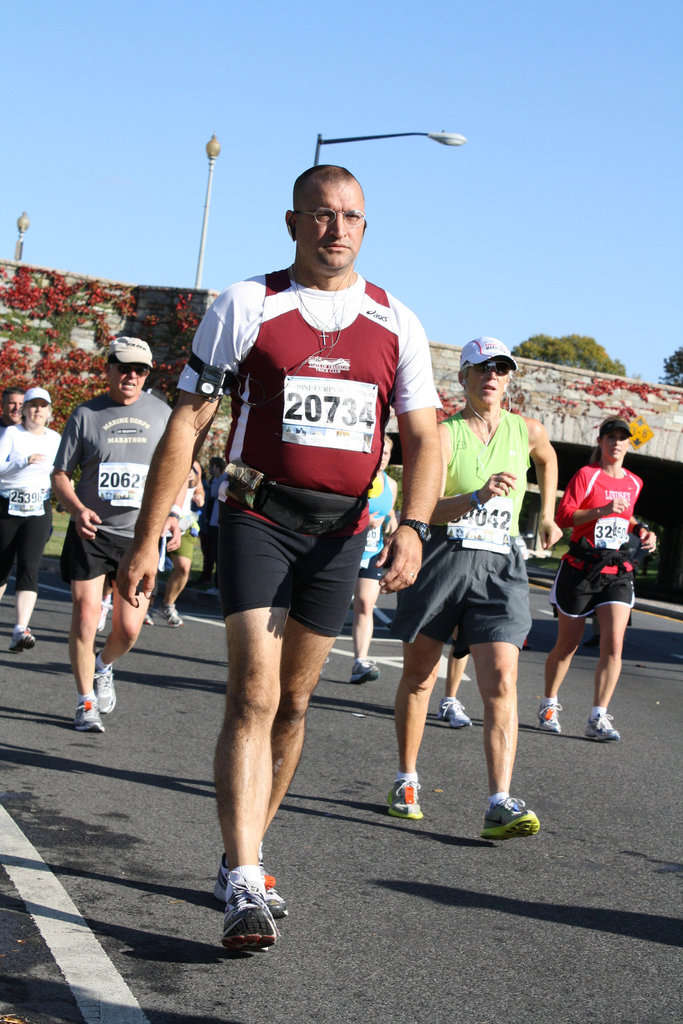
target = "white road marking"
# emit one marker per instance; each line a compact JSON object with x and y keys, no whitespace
{"x":375,"y":640}
{"x":101,"y":993}
{"x":383,"y":617}
{"x":56,"y":590}
{"x":209,"y":622}
{"x":397,"y":662}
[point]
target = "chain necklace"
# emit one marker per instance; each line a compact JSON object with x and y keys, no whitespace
{"x":334,"y":323}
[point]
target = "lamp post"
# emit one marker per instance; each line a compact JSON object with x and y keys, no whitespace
{"x":213,"y":149}
{"x":23,"y":223}
{"x":445,"y":138}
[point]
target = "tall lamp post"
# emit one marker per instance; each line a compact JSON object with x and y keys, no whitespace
{"x":445,"y":138}
{"x":23,"y":223}
{"x":213,"y":149}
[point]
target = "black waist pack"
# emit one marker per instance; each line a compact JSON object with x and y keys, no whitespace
{"x":597,"y":559}
{"x":312,"y":512}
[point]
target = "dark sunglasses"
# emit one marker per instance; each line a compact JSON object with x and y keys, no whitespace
{"x":499,"y":365}
{"x":137,"y":368}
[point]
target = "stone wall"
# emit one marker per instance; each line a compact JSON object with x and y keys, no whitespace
{"x":571,"y":402}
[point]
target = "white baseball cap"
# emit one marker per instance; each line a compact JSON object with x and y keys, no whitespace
{"x":130,"y":350}
{"x":482,"y":349}
{"x":33,"y":393}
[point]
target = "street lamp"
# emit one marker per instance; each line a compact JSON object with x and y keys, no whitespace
{"x":213,"y":149}
{"x":23,"y":223}
{"x":445,"y":138}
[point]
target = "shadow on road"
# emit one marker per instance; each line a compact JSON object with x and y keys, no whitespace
{"x":649,"y":927}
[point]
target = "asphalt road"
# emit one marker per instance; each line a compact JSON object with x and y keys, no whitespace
{"x":390,"y":921}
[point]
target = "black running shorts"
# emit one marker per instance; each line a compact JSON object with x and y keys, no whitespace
{"x":263,"y":565}
{"x":370,"y":571}
{"x":87,"y":559}
{"x":577,"y":596}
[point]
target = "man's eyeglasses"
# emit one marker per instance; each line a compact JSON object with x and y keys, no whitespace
{"x":352,"y":218}
{"x":499,"y":365}
{"x":139,"y":369}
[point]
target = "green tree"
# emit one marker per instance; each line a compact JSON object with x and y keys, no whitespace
{"x":572,"y":350}
{"x":673,"y":369}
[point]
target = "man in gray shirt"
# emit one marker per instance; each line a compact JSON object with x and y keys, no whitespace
{"x":111,"y":438}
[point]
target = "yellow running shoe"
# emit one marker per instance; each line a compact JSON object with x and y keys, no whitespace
{"x":509,"y":820}
{"x":402,"y":800}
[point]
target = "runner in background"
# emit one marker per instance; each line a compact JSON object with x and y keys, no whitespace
{"x":596,"y":574}
{"x":112,"y":439}
{"x":474,"y":578}
{"x":182,"y":558}
{"x":27,"y":452}
{"x":381,"y":501}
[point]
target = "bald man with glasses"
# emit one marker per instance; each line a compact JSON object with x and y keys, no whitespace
{"x":313,"y":356}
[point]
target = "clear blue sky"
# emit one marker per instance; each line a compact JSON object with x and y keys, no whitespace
{"x":561,"y":215}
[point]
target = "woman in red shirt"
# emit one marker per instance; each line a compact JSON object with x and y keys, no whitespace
{"x":595,"y":576}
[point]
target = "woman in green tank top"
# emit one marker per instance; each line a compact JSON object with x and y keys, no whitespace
{"x":473,"y":578}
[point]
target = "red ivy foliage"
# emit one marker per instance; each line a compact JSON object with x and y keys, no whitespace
{"x":70,"y":377}
{"x":38,"y":311}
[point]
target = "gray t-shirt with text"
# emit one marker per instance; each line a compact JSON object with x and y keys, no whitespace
{"x":113,"y":444}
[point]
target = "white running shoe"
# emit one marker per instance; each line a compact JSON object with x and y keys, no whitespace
{"x":103,"y":685}
{"x":547,"y":717}
{"x":106,"y":608}
{"x":601,"y":729}
{"x":364,"y":671}
{"x":87,"y":717}
{"x":276,"y":903}
{"x":171,"y":615}
{"x":248,"y":923}
{"x":453,"y":712}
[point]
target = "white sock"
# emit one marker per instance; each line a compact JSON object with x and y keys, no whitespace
{"x":249,"y":873}
{"x":82,"y":697}
{"x":101,"y":666}
{"x":497,"y":798}
{"x":406,"y":776}
{"x":549,"y":702}
{"x":598,"y":712}
{"x":19,"y":629}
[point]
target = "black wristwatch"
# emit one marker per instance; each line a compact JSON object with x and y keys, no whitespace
{"x":474,"y":500}
{"x":421,"y":529}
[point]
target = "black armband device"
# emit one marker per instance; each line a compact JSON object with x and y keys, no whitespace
{"x":212,"y":379}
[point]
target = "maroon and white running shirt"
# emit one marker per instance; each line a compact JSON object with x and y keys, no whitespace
{"x":310,"y":411}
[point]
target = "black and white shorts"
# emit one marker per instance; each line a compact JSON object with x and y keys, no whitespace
{"x":577,"y":596}
{"x":263,"y":565}
{"x":370,"y":571}
{"x":484,"y":593}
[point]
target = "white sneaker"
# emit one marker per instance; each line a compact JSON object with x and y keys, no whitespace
{"x":106,"y":608}
{"x":171,"y":615}
{"x":248,"y":923}
{"x":364,"y":671}
{"x":601,"y":729}
{"x":87,"y":717}
{"x":276,"y":903}
{"x":547,"y":717}
{"x":103,"y":685}
{"x":453,"y":712}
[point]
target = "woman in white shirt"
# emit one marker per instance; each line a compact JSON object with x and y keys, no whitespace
{"x":27,"y":452}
